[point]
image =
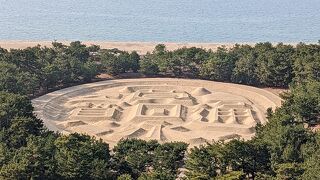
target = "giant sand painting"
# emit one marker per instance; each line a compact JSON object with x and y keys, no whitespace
{"x":164,"y":109}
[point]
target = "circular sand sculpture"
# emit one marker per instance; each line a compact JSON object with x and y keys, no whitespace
{"x":193,"y":111}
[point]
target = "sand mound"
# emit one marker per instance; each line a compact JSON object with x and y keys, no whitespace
{"x":200,"y":91}
{"x":73,"y":124}
{"x":114,"y":113}
{"x":201,"y":106}
{"x":123,"y":104}
{"x":166,"y":123}
{"x":156,"y":133}
{"x":181,"y":129}
{"x":114,"y":124}
{"x":192,"y":111}
{"x":228,"y":137}
{"x":118,"y":96}
{"x":106,"y":124}
{"x":105,"y":132}
{"x":127,"y":90}
{"x":203,"y":119}
{"x":204,"y":112}
{"x":199,"y":140}
{"x":137,"y":133}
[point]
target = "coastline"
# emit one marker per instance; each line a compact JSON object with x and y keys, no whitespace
{"x":140,"y":47}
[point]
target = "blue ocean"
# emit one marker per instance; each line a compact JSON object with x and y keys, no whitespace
{"x":161,"y":20}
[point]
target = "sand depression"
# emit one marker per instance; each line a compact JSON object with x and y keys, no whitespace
{"x":165,"y":109}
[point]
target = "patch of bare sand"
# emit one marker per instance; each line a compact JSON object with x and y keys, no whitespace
{"x":140,"y":47}
{"x":277,"y":91}
{"x":165,"y":109}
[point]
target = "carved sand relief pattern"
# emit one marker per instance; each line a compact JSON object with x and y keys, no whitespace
{"x":162,"y":111}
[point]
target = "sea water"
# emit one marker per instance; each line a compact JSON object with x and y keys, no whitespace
{"x":161,"y":20}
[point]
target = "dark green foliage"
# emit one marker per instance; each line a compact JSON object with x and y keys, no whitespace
{"x":148,"y":66}
{"x":79,"y":51}
{"x":13,"y":79}
{"x":304,"y":102}
{"x":89,"y":71}
{"x":35,"y":161}
{"x":262,"y":64}
{"x":233,"y":175}
{"x":116,"y":62}
{"x":202,"y":164}
{"x":110,"y":63}
{"x":169,"y":157}
{"x":28,"y":71}
{"x":283,"y":148}
{"x":245,"y":70}
{"x":312,"y":167}
{"x":134,"y":61}
{"x":149,"y":159}
{"x":124,"y":177}
{"x":219,"y":66}
{"x":283,"y":139}
{"x":307,"y":63}
{"x":289,"y":171}
{"x":80,"y":156}
{"x":13,"y":105}
{"x":160,"y":50}
{"x":274,"y":65}
{"x":134,"y":156}
{"x":40,"y":69}
{"x":248,"y":157}
{"x":218,"y":159}
{"x":155,"y":175}
{"x":20,"y":129}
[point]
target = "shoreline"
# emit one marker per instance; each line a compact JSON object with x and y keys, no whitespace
{"x":140,"y":47}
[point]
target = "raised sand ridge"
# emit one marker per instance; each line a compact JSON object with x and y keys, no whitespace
{"x":165,"y":109}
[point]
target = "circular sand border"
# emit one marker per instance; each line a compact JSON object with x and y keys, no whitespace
{"x":166,"y":109}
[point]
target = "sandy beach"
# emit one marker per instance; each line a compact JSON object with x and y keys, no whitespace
{"x":140,"y":47}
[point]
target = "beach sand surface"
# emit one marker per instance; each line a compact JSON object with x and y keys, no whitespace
{"x":140,"y":47}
